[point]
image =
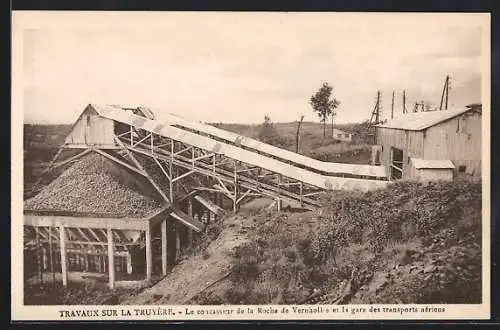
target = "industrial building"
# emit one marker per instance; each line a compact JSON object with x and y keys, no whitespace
{"x":431,"y":145}
{"x":134,"y":181}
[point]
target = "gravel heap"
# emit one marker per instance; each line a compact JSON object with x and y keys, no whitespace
{"x":94,"y":186}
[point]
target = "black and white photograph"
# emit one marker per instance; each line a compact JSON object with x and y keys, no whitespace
{"x":182,"y":165}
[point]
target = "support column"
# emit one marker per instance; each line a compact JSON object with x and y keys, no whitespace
{"x":51,"y":252}
{"x":45,"y":259}
{"x":86,"y":261}
{"x":190,"y":231}
{"x":164,"y":246}
{"x":235,"y":182}
{"x":64,"y":270}
{"x":111,"y":259}
{"x":177,"y":244}
{"x":278,"y":200}
{"x":39,"y":271}
{"x":300,"y":193}
{"x":171,"y":172}
{"x":129,"y":263}
{"x":149,"y":255}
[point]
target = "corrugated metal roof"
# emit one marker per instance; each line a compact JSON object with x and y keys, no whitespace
{"x":432,"y":163}
{"x":421,"y":120}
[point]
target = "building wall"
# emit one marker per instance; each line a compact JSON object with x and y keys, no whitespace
{"x":432,"y":174}
{"x":341,"y":135}
{"x":459,"y":140}
{"x":411,"y":142}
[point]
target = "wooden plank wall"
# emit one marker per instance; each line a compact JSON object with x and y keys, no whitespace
{"x":458,"y":140}
{"x":91,"y":129}
{"x":411,"y":142}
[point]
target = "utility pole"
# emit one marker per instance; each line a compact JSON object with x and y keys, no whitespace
{"x":376,"y":111}
{"x":404,"y":101}
{"x":392,"y":105}
{"x":444,"y":94}
{"x":298,"y":134}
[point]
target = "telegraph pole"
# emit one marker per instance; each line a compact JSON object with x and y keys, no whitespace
{"x":376,"y":111}
{"x":392,"y":106}
{"x":444,"y":95}
{"x":404,"y":101}
{"x":377,"y":115}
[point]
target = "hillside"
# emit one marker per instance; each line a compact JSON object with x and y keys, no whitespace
{"x":422,"y":247}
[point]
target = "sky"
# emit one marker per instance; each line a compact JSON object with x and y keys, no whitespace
{"x":239,"y":67}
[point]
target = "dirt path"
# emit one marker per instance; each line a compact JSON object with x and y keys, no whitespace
{"x":195,"y":273}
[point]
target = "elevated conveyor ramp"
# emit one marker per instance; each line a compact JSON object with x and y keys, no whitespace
{"x":321,"y":181}
{"x":328,"y":168}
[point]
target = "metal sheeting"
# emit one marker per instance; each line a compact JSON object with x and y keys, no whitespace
{"x":245,"y":156}
{"x":421,"y":120}
{"x":432,"y":163}
{"x":328,"y":167}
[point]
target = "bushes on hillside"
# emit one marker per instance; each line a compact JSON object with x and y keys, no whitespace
{"x":358,"y":234}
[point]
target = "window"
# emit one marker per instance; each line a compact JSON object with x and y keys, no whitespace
{"x":88,"y":120}
{"x":462,"y":168}
{"x":339,"y":135}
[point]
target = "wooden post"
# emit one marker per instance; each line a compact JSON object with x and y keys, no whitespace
{"x":129,"y":263}
{"x":64,"y":271}
{"x":177,"y":244}
{"x":392,"y":106}
{"x":164,"y":246}
{"x":297,"y":136}
{"x":86,"y":261}
{"x":149,"y":255}
{"x":278,"y":200}
{"x":171,"y":172}
{"x":44,"y":259}
{"x":37,"y":254}
{"x":190,"y":231}
{"x":447,"y":91}
{"x":235,"y":182}
{"x":51,"y":257}
{"x":300,"y":193}
{"x":98,"y":263}
{"x":404,"y":101}
{"x":111,"y":259}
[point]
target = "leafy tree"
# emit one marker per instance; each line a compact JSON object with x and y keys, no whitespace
{"x":324,"y":105}
{"x":267,"y":132}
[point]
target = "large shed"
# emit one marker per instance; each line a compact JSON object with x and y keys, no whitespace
{"x":453,"y":135}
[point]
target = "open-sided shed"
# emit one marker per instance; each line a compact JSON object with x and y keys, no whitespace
{"x":93,"y":218}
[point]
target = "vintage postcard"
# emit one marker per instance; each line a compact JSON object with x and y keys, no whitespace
{"x":250,"y":166}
